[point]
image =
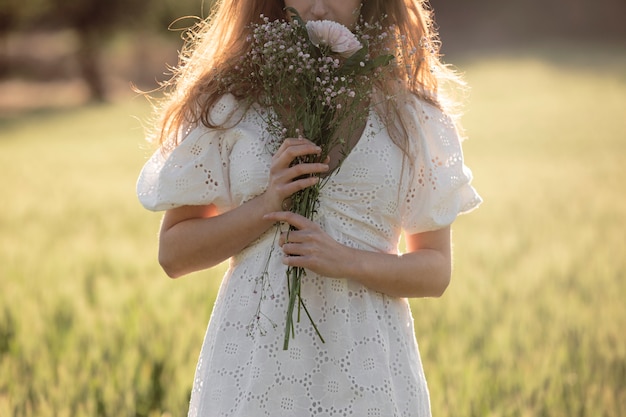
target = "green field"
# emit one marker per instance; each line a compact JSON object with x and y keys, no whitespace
{"x":533,"y":324}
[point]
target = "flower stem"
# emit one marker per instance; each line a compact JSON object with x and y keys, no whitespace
{"x":304,"y":204}
{"x":293,"y":278}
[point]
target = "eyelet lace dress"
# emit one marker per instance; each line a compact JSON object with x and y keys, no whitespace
{"x":369,"y":365}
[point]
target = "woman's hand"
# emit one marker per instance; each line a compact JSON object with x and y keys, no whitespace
{"x":287,"y":178}
{"x":424,"y":271}
{"x":193,"y":238}
{"x":310,"y":247}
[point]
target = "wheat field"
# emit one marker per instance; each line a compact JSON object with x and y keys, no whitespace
{"x":533,"y":324}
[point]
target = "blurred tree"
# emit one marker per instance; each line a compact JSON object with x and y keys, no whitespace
{"x":95,"y":21}
{"x":13,"y":15}
{"x":492,"y":22}
{"x":466,"y":24}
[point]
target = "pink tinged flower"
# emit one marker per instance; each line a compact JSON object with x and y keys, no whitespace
{"x":338,"y":37}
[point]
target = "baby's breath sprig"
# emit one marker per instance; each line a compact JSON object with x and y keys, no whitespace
{"x":263,"y":287}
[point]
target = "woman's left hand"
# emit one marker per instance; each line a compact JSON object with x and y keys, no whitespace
{"x":423,"y":271}
{"x":309,"y":246}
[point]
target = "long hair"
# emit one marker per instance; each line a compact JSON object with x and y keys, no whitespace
{"x":215,"y":45}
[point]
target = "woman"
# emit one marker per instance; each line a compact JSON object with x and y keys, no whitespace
{"x":224,"y":193}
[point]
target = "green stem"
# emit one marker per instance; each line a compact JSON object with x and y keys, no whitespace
{"x":306,"y":310}
{"x":304,"y":204}
{"x":294,"y":290}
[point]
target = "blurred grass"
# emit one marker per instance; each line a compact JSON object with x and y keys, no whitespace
{"x":534,"y":321}
{"x":86,"y":316}
{"x":532,"y":325}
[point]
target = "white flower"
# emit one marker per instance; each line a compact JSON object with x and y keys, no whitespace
{"x":335,"y":35}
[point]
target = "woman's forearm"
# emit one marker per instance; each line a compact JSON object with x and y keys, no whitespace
{"x":196,"y":238}
{"x":423,"y":273}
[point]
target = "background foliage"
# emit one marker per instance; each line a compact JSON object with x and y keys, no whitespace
{"x":92,"y":26}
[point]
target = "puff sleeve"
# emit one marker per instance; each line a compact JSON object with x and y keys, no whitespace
{"x":440,"y":183}
{"x":195,"y":172}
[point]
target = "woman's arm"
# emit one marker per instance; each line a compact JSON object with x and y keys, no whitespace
{"x":193,"y":238}
{"x":424,"y":271}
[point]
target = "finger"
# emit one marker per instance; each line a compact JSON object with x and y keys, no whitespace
{"x":296,"y":155}
{"x":293,"y":148}
{"x":311,"y":168}
{"x":296,"y":141}
{"x":294,"y":249}
{"x":302,"y":261}
{"x":293,"y":186}
{"x":291,"y":236}
{"x":296,"y":220}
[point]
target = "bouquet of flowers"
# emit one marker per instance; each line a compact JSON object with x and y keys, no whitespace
{"x":316,"y":81}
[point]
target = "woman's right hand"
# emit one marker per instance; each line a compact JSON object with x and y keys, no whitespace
{"x":287,"y":178}
{"x":193,"y":238}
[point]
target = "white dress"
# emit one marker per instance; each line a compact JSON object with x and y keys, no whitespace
{"x":369,"y":365}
